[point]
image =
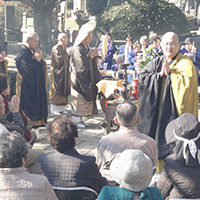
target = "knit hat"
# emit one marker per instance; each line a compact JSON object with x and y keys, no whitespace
{"x":132,"y":169}
{"x":84,"y":32}
{"x":184,"y":131}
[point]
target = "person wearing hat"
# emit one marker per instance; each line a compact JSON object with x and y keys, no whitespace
{"x":84,"y":75}
{"x":168,"y":88}
{"x":191,"y":51}
{"x":180,"y":177}
{"x":133,"y":171}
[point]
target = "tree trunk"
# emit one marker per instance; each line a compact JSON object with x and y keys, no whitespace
{"x":43,"y":26}
{"x":196,"y":7}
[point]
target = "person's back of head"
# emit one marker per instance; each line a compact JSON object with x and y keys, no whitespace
{"x":62,"y":133}
{"x":126,"y":114}
{"x":132,"y":169}
{"x":12,"y":149}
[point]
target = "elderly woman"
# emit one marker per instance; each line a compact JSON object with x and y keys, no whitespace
{"x":180,"y":177}
{"x":15,"y":182}
{"x":132,"y":170}
{"x":66,"y":167}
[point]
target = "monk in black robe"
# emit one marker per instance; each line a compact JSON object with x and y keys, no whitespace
{"x":31,"y":66}
{"x":168,"y":88}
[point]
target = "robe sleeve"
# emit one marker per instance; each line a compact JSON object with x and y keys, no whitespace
{"x":27,"y":65}
{"x":185,"y":86}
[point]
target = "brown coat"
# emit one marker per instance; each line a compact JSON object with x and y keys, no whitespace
{"x":84,"y":77}
{"x":18,"y":184}
{"x":117,"y":142}
{"x":179,"y":181}
{"x":59,"y":76}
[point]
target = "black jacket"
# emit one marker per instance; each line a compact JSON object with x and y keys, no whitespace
{"x":71,"y":169}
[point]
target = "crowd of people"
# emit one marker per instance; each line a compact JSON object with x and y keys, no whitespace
{"x":154,"y":155}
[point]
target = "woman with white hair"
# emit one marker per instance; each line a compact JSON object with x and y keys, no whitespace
{"x":15,"y":182}
{"x":133,"y":171}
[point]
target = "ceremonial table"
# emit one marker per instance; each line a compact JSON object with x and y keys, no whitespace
{"x":107,"y":87}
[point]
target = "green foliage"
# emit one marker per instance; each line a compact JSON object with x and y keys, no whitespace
{"x":136,"y":18}
{"x":95,"y":7}
{"x":19,"y":9}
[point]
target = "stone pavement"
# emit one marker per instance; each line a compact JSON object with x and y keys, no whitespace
{"x":88,"y":137}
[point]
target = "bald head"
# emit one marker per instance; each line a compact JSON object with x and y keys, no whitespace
{"x":170,"y":44}
{"x":62,"y":39}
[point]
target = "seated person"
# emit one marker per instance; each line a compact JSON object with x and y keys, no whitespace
{"x":17,"y":124}
{"x":16,"y":182}
{"x":154,"y":50}
{"x":125,"y":49}
{"x":107,"y":49}
{"x":144,"y":42}
{"x":191,"y":51}
{"x":66,"y":167}
{"x":134,"y":58}
{"x":5,"y":92}
{"x":3,"y":63}
{"x":180,"y":176}
{"x":127,"y":137}
{"x":119,"y":60}
{"x":132,"y":170}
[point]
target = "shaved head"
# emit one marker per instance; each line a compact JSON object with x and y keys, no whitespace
{"x":170,"y":35}
{"x":62,"y":39}
{"x":170,"y":44}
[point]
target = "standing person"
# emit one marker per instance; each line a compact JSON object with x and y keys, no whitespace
{"x":168,"y":88}
{"x":84,"y":75}
{"x":31,"y":67}
{"x":59,"y":75}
